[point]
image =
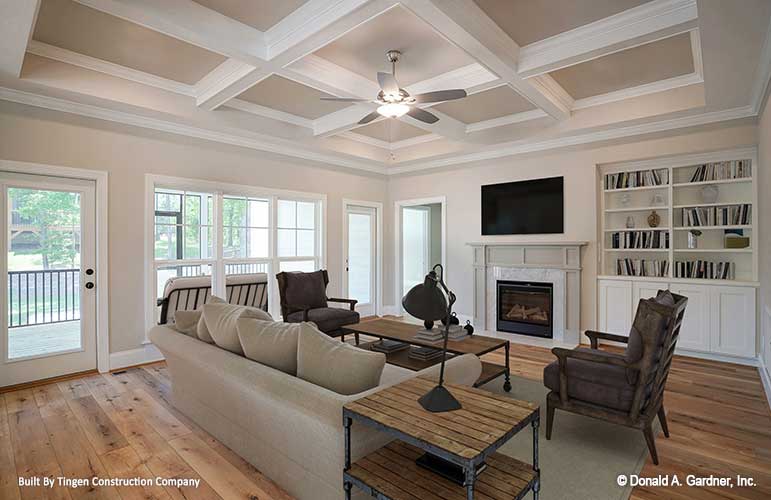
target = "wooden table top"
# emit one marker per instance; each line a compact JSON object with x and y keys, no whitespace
{"x":483,"y":424}
{"x":405,"y":332}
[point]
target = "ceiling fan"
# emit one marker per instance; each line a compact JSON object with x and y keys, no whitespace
{"x":395,"y":102}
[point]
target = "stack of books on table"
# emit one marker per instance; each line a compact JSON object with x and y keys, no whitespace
{"x":436,"y":334}
{"x":388,"y":346}
{"x":424,"y":353}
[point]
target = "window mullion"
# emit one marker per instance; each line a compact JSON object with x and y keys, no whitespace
{"x":218,"y":271}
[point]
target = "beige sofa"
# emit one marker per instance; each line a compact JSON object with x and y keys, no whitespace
{"x":289,"y":429}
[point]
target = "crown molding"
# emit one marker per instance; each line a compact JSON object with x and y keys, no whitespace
{"x":93,"y":64}
{"x":256,"y":109}
{"x":524,"y":116}
{"x":636,"y":26}
{"x":257,"y":141}
{"x":389,"y":146}
{"x":640,"y":90}
{"x":764,"y":73}
{"x":615,"y":132}
{"x":681,"y":160}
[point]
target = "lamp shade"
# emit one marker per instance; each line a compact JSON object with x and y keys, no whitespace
{"x":426,"y":301}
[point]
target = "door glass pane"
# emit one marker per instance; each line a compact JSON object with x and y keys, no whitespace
{"x":414,"y":247}
{"x":43,"y":289}
{"x":360,"y":257}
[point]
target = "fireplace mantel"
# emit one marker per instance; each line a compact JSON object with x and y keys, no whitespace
{"x":555,"y":262}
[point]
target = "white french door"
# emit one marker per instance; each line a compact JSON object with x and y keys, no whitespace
{"x":361,"y":247}
{"x":47,"y":259}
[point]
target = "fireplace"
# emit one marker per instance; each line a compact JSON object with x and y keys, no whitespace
{"x":525,"y":307}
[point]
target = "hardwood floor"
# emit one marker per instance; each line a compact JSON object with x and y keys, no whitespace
{"x":123,"y":425}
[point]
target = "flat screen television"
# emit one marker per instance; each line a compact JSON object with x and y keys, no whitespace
{"x":526,"y":207}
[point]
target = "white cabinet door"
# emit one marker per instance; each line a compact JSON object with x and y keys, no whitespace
{"x":733,"y":321}
{"x":695,"y":331}
{"x":615,"y":307}
{"x":645,"y":290}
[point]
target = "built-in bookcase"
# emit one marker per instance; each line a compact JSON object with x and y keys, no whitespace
{"x":713,"y":193}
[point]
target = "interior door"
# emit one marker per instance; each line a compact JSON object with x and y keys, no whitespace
{"x":416,"y":246}
{"x":361,"y":258}
{"x":48,"y":265}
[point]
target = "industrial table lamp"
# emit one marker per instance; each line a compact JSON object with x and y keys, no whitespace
{"x":427,"y":301}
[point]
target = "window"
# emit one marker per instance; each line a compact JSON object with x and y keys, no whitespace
{"x":223,"y":230}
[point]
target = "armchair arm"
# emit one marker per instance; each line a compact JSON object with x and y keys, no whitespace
{"x":585,"y":355}
{"x":351,"y":302}
{"x":594,"y":336}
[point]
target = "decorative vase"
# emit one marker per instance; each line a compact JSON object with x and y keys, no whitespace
{"x":653,"y":219}
{"x":469,"y":327}
{"x":709,"y":193}
{"x":629,"y":222}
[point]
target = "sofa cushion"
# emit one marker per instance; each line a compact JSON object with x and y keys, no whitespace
{"x":221,"y":322}
{"x":306,"y":289}
{"x":187,"y":322}
{"x":327,"y":319}
{"x":203,"y":331}
{"x":335,"y":365}
{"x":271,"y":343}
{"x":598,"y":383}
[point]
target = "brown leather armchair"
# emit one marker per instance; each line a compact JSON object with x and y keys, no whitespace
{"x":304,"y":298}
{"x":626,"y":389}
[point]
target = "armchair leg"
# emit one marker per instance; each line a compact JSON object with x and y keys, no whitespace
{"x":649,"y":438}
{"x":549,"y":419}
{"x":663,"y":420}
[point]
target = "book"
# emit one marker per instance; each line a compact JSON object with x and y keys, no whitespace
{"x":639,"y":178}
{"x":388,"y":346}
{"x":722,"y":170}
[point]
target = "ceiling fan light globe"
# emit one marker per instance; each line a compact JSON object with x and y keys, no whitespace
{"x":393,"y":110}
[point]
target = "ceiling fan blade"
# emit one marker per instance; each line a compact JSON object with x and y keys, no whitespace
{"x":344,"y":99}
{"x":440,"y":95}
{"x":388,"y":83}
{"x":369,"y":118}
{"x":423,"y":115}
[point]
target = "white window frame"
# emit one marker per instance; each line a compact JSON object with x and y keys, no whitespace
{"x":219,"y":190}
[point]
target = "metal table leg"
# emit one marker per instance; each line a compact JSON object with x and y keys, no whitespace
{"x":507,"y":375}
{"x":346,"y":484}
{"x":470,"y":478}
{"x":537,"y":486}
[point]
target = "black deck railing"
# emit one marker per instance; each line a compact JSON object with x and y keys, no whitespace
{"x":40,"y":297}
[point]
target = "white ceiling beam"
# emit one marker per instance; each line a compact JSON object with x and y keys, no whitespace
{"x":226,"y":81}
{"x":191,"y":23}
{"x":472,"y":76}
{"x":341,"y":121}
{"x":642,"y":24}
{"x":17,"y":22}
{"x":446,"y":126}
{"x":471,"y":29}
{"x":328,"y":77}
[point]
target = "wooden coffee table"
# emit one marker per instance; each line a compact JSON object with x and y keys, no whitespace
{"x":405,"y":332}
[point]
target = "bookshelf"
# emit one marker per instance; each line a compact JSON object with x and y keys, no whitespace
{"x":714,"y":194}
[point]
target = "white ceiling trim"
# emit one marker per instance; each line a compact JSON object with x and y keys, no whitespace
{"x":524,"y":116}
{"x":639,"y":90}
{"x":192,"y":23}
{"x":17,"y":22}
{"x":226,"y":81}
{"x":326,"y":76}
{"x":467,"y":77}
{"x":258,"y":142}
{"x":256,"y":109}
{"x":93,"y":64}
{"x":473,"y":31}
{"x":642,"y":24}
{"x":614,"y":132}
{"x":764,"y":73}
{"x":341,"y":121}
{"x":389,"y":146}
{"x":698,"y":59}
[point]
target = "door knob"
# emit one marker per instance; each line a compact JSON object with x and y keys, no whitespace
{"x":89,"y":285}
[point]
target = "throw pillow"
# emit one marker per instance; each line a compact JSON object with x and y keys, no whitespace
{"x":335,"y":365}
{"x":187,"y":322}
{"x":203,"y":331}
{"x":221,"y":322}
{"x":270,"y":343}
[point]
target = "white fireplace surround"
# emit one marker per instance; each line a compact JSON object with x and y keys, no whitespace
{"x":558,"y":263}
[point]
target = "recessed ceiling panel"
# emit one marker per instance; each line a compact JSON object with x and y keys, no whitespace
{"x":390,"y":130}
{"x":286,"y":95}
{"x":78,"y":28}
{"x":528,"y":21}
{"x":260,"y":14}
{"x":648,"y":63}
{"x":494,"y":103}
{"x":425,"y":53}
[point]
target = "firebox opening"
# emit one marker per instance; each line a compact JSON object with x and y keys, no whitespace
{"x":525,"y":307}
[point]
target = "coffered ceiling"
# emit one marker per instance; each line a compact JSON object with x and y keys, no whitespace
{"x":539,"y":73}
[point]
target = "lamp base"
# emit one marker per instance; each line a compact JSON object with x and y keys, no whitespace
{"x":447,"y":470}
{"x":439,"y":400}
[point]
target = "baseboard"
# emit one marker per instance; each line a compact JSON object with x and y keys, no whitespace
{"x":717,"y":357}
{"x":765,"y":377}
{"x":148,"y":353}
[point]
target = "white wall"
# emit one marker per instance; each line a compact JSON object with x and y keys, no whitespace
{"x":462,"y":189}
{"x":39,"y":136}
{"x":764,"y":188}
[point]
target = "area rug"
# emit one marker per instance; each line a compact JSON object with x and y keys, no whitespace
{"x":584,"y":456}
